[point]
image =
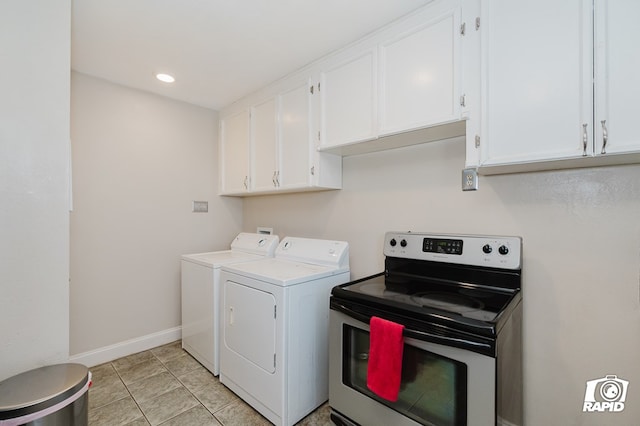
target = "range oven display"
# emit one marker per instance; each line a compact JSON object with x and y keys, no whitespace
{"x":433,"y":245}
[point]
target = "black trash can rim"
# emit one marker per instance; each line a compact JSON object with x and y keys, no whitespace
{"x":41,"y":388}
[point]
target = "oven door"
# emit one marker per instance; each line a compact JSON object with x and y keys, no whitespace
{"x":441,"y":384}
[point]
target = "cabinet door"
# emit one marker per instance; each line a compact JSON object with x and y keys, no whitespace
{"x":419,"y":74}
{"x":295,"y":138}
{"x":617,"y":78}
{"x":263,"y":145}
{"x":536,"y":83}
{"x":348,"y":101}
{"x":234,"y":153}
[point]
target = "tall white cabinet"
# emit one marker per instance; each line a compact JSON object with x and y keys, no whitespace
{"x":551,"y":97}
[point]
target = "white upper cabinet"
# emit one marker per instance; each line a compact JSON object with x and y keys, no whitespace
{"x":348,"y":100}
{"x":264,"y":141}
{"x":536,"y":80}
{"x":540,"y":90}
{"x":419,"y":73}
{"x":405,"y":77}
{"x":296,"y":145}
{"x":617,"y":79}
{"x":269,"y":146}
{"x":234,"y":153}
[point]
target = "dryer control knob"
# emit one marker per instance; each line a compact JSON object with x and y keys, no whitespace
{"x":503,"y":250}
{"x":393,"y":242}
{"x":403,"y":243}
{"x":487,"y":249}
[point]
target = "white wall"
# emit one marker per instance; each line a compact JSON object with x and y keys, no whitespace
{"x":139,"y":160}
{"x":34,"y":157}
{"x":581,"y":231}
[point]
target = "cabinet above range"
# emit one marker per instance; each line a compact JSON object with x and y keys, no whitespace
{"x":558,"y":89}
{"x":402,"y":86}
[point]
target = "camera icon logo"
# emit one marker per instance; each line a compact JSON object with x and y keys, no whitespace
{"x":605,"y":394}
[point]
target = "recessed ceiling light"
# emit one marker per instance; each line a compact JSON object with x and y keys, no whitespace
{"x":165,"y":78}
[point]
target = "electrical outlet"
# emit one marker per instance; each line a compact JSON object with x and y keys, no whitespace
{"x":200,"y":207}
{"x":469,"y":180}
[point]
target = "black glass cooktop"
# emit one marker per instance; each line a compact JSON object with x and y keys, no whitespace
{"x":472,"y":302}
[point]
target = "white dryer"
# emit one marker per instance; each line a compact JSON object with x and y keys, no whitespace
{"x":201,"y":293}
{"x":274,"y":353}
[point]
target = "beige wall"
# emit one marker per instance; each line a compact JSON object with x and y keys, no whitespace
{"x":581,"y":232}
{"x":139,"y":160}
{"x":34,"y":184}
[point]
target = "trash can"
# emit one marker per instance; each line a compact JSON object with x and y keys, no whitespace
{"x":55,"y":395}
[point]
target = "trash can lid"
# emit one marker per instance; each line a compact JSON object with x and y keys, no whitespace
{"x":41,"y":388}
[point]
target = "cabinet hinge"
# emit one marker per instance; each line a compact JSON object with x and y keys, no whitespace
{"x":463,"y":100}
{"x":313,"y":170}
{"x":477,"y":141}
{"x":274,"y":360}
{"x":318,"y":86}
{"x":318,"y":135}
{"x":311,"y":89}
{"x":477,"y":23}
{"x":463,"y":28}
{"x":275,"y":311}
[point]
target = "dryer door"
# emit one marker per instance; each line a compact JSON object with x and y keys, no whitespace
{"x":250,"y":324}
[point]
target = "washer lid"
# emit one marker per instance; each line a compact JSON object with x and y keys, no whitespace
{"x":38,"y":389}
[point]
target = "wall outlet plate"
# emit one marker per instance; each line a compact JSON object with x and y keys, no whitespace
{"x":469,"y":180}
{"x":200,"y":207}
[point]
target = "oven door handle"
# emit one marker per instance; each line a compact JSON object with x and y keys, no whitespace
{"x":420,"y":335}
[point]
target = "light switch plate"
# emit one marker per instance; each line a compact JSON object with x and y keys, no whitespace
{"x":200,"y":207}
{"x":469,"y":180}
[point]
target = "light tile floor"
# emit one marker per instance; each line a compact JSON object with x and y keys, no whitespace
{"x":166,"y":386}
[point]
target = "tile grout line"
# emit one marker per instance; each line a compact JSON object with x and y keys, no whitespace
{"x":189,"y":390}
{"x":129,"y":392}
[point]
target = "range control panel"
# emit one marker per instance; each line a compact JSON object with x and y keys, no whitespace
{"x":491,"y":251}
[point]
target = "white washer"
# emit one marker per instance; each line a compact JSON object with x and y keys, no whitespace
{"x":201,"y":293}
{"x":274,"y":353}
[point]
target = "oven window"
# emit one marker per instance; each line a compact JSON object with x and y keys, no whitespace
{"x":433,"y":389}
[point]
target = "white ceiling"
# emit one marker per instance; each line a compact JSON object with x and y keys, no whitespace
{"x":218,"y":50}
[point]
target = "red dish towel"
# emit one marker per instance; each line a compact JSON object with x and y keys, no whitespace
{"x":384,"y":370}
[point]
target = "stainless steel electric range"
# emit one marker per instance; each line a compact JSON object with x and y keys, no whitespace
{"x":459,"y":300}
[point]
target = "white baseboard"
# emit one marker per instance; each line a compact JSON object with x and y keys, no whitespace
{"x":128,"y":347}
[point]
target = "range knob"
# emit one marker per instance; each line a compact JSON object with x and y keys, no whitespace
{"x":403,"y":243}
{"x":503,"y":250}
{"x":393,"y":242}
{"x":487,"y":249}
